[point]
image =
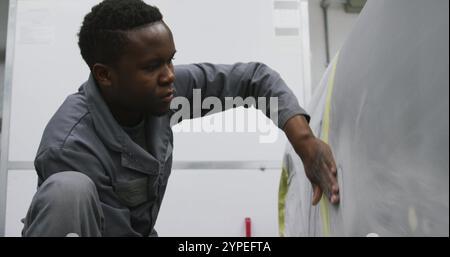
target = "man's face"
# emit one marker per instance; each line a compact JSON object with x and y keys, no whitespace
{"x":143,"y":78}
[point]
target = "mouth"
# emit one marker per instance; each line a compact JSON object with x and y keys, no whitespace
{"x":169,"y":96}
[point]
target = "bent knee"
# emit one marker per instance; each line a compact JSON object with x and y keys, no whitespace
{"x":68,"y":184}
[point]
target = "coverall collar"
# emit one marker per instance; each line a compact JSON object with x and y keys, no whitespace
{"x":113,"y":136}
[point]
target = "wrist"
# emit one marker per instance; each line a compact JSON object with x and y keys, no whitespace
{"x":300,"y":135}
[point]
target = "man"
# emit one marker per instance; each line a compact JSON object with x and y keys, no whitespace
{"x":106,"y":154}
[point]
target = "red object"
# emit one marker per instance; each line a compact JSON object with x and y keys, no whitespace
{"x":248,"y":227}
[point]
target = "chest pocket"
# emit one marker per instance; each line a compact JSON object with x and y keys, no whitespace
{"x":134,"y":192}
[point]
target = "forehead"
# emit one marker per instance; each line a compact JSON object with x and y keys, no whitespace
{"x":150,"y":41}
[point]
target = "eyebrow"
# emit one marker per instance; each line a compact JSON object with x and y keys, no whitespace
{"x":159,"y":59}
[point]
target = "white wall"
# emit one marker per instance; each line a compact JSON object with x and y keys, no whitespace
{"x":216,"y":202}
{"x":339,"y":25}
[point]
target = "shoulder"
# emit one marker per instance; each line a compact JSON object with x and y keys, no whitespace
{"x":71,"y":119}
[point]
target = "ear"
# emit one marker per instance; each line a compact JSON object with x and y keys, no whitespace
{"x":102,"y":74}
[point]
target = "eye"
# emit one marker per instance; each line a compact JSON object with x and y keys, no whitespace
{"x":153,"y":66}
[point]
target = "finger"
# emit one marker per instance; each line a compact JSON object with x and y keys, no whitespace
{"x":331,"y":164}
{"x":330,"y":184}
{"x":330,"y":161}
{"x":333,"y":169}
{"x":335,"y":199}
{"x":317,"y":194}
{"x":335,"y":189}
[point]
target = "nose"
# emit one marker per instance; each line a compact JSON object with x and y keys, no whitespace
{"x":167,"y":76}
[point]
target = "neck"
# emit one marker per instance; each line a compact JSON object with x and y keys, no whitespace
{"x":124,"y":117}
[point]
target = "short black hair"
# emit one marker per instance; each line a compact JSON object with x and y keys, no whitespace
{"x":102,"y":37}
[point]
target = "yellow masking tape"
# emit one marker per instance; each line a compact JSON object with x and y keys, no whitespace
{"x":324,"y":204}
{"x":282,"y":192}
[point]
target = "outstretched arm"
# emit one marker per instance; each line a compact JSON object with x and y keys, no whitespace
{"x":258,"y":80}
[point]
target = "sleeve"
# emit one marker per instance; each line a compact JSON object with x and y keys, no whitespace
{"x":197,"y":82}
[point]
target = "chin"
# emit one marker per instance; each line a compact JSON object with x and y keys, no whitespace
{"x":160,"y":112}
